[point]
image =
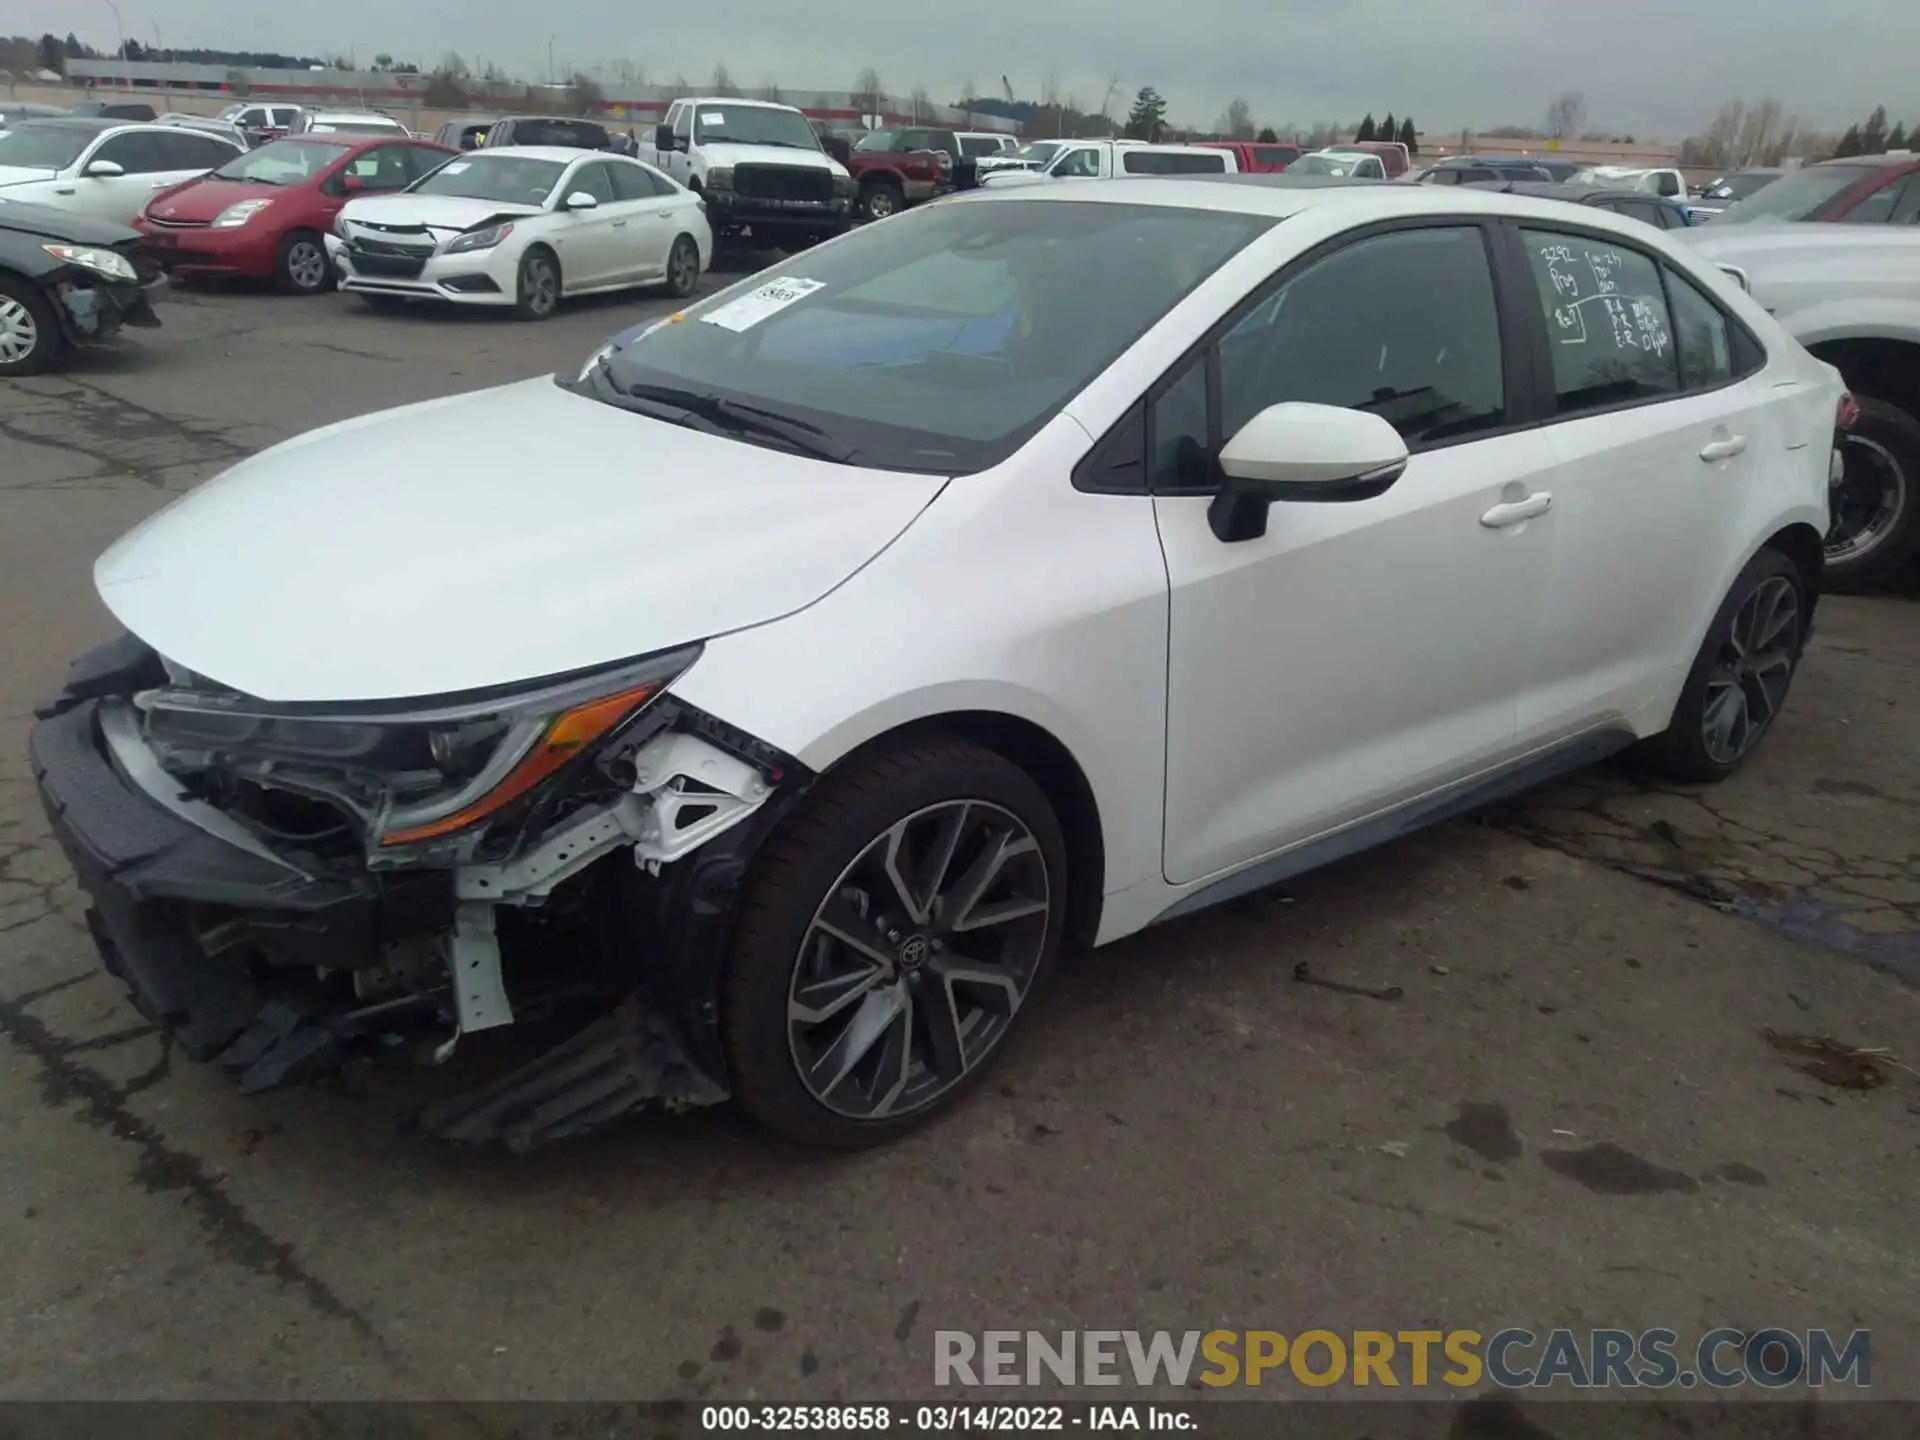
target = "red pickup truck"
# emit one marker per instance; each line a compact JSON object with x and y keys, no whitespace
{"x":1256,"y":158}
{"x":898,"y":168}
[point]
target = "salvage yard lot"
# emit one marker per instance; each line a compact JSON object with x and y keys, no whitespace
{"x":1570,"y":1115}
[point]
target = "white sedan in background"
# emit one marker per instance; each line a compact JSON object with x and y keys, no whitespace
{"x":108,"y":169}
{"x":524,"y":226}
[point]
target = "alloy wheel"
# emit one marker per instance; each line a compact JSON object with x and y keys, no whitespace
{"x":683,"y":268}
{"x":306,"y":265}
{"x":1750,"y":676}
{"x":19,"y":332}
{"x":880,"y":202}
{"x":914,"y":966}
{"x":543,"y":286}
{"x":1864,"y":499}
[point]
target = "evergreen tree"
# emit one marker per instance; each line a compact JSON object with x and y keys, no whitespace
{"x":1873,"y":135}
{"x":1409,"y":137}
{"x":1267,"y":137}
{"x":1149,"y":115}
{"x":1849,"y":143}
{"x":1366,"y":130}
{"x":1897,"y":138}
{"x":1389,"y":128}
{"x":52,"y":55}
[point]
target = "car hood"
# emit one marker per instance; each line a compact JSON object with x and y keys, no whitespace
{"x":436,"y":212}
{"x":51,"y":224}
{"x":486,"y":539}
{"x":730,"y":155}
{"x":202,"y":199}
{"x":24,"y":174}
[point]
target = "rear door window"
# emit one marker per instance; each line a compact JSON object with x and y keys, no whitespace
{"x":636,"y":182}
{"x":1275,"y":154}
{"x":1159,"y":162}
{"x":1608,"y":330}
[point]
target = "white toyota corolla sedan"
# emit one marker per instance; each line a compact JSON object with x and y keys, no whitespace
{"x":773,"y":698}
{"x":524,"y":226}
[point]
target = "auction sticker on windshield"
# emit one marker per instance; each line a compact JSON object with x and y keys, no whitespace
{"x":756,"y":305}
{"x":456,"y":167}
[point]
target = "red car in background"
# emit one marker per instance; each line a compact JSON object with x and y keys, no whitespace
{"x":1256,"y":158}
{"x":1857,"y":190}
{"x":265,"y":215}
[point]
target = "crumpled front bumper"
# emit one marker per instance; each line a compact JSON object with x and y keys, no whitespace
{"x":220,"y":943}
{"x":94,"y":309}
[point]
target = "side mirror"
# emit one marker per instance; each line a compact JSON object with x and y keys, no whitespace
{"x":580,"y":200}
{"x":663,"y":138}
{"x":1302,"y":453}
{"x":105,"y":169}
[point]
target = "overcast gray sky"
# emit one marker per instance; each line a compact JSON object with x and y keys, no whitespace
{"x":1645,"y":66}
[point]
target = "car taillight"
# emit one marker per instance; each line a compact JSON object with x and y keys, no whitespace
{"x":1847,"y":414}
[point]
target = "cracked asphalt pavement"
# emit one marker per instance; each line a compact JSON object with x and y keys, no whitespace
{"x":1571,"y":1114}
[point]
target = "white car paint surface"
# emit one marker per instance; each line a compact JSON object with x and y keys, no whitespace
{"x":624,"y":240}
{"x":734,"y":537}
{"x":1530,"y":584}
{"x":1825,"y":282}
{"x":79,"y":145}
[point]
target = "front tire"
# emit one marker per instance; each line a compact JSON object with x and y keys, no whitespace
{"x":1874,"y":529}
{"x":888,"y":942}
{"x":1740,"y":678}
{"x":301,"y":266}
{"x":683,"y":268}
{"x":30,"y":338}
{"x":537,"y":291}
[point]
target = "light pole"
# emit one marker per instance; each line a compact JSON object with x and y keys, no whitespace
{"x":120,"y":27}
{"x":549,"y":62}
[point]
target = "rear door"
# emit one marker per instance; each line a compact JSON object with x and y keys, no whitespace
{"x":1658,"y":416}
{"x":645,"y":223}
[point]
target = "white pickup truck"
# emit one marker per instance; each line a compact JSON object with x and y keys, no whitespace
{"x":759,"y":166}
{"x":1851,"y":295}
{"x":1104,"y":159}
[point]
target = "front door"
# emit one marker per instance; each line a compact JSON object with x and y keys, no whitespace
{"x":589,"y":241}
{"x":120,"y":198}
{"x":1358,"y":655}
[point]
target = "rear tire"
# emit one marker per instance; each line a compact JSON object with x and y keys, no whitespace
{"x":537,"y":291}
{"x":301,"y":266}
{"x":1001,"y":905}
{"x":683,"y":268}
{"x":1740,"y":678}
{"x":882,"y":198}
{"x":30,"y":338}
{"x":1877,"y":531}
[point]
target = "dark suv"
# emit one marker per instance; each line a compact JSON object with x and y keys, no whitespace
{"x":562,"y":130}
{"x":1859,"y":190}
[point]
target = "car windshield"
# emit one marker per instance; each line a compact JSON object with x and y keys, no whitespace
{"x":1326,"y":164}
{"x":942,"y":340}
{"x":358,"y":127}
{"x":1039,"y":152}
{"x":510,"y":179}
{"x":1796,"y":196}
{"x":42,"y":147}
{"x":1739,"y":187}
{"x":753,"y":125}
{"x":283,"y":162}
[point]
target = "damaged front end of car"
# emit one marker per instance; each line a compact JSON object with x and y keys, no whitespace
{"x":101,"y":289}
{"x":285,"y":887}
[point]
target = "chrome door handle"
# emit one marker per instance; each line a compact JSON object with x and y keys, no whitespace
{"x":1515,"y":511}
{"x":1724,"y":449}
{"x":160,"y":184}
{"x":663,"y":213}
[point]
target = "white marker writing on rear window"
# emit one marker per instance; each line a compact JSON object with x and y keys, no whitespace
{"x":756,"y":305}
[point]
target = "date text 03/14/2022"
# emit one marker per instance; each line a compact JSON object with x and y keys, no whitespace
{"x":944,"y":1419}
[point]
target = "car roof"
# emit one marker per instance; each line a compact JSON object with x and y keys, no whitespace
{"x":1578,"y":194}
{"x":1286,"y":194}
{"x":739,"y":101}
{"x":91,"y":124}
{"x":563,"y":154}
{"x":1889,"y":157}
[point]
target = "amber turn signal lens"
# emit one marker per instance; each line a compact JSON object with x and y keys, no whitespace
{"x":566,"y":736}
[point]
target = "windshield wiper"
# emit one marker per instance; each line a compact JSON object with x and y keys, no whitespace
{"x":736,"y":417}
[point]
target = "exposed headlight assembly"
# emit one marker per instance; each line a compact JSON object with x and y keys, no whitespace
{"x":477,"y":239}
{"x":110,"y":263}
{"x":433,"y":776}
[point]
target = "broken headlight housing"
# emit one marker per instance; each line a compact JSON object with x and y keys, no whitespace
{"x":420,"y":783}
